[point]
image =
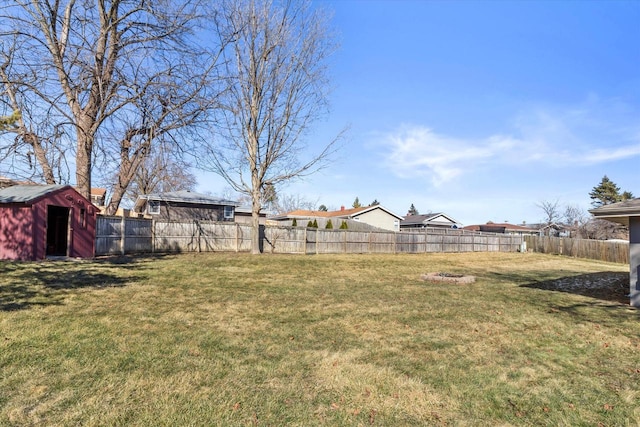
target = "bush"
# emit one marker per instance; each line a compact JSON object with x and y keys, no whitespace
{"x":315,"y":223}
{"x":294,"y":223}
{"x":344,"y":225}
{"x":310,"y":224}
{"x":329,"y":225}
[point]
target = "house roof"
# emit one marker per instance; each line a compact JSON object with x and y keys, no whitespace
{"x":507,"y":226}
{"x":26,"y":193}
{"x":185,"y":197}
{"x":424,"y":219}
{"x":342,"y":213}
{"x":618,"y":212}
{"x":100,"y":192}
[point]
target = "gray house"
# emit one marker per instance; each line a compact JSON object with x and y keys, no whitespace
{"x":185,"y":205}
{"x":437,"y":220}
{"x":627,"y":213}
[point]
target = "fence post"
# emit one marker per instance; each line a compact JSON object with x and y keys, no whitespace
{"x":123,"y":234}
{"x":344,"y":247}
{"x":153,"y":235}
{"x":237,"y":233}
{"x":304,"y":236}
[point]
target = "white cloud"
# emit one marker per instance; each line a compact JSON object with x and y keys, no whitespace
{"x":581,"y":135}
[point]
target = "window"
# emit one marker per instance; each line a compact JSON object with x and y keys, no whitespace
{"x":153,"y":207}
{"x":228,"y":212}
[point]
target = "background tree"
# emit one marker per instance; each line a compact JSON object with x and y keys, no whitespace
{"x":356,"y":203}
{"x":160,"y":172}
{"x":293,"y":202}
{"x":551,"y":210}
{"x":104,"y":81}
{"x":607,"y":192}
{"x":322,"y":208}
{"x":7,"y":122}
{"x":412,"y":210}
{"x":276,"y":67}
{"x":374,"y":203}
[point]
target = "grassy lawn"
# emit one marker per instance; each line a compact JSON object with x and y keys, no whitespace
{"x":231,"y":339}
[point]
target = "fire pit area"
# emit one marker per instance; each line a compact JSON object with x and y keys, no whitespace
{"x":448,"y":278}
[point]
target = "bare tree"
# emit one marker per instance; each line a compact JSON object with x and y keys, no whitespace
{"x":551,"y":210}
{"x":291,"y":202}
{"x":277,"y":73}
{"x":162,"y":171}
{"x":104,"y":80}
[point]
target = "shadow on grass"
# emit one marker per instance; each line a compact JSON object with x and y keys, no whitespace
{"x":609,"y":286}
{"x":27,"y":284}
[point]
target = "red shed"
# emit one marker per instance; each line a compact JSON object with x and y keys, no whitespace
{"x":37,"y":221}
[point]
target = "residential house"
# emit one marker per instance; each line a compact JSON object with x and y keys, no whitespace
{"x":243,"y":215}
{"x":99,"y":197}
{"x":37,"y":221}
{"x":435,"y":220}
{"x":505,"y":228}
{"x":375,"y":216}
{"x":185,"y":205}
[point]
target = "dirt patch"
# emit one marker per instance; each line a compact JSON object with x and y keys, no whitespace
{"x":609,"y":285}
{"x":448,"y":278}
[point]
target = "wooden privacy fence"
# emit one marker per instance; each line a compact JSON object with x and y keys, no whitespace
{"x":120,"y":235}
{"x":600,"y":250}
{"x":117,"y":235}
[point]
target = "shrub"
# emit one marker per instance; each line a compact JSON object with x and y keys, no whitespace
{"x":344,"y":225}
{"x":329,"y":225}
{"x":294,"y":223}
{"x":310,"y":224}
{"x":315,"y":223}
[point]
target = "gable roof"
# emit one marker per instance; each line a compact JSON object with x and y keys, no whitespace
{"x":426,"y":218}
{"x":99,"y":192}
{"x":185,"y":196}
{"x":342,"y":213}
{"x":27,"y":193}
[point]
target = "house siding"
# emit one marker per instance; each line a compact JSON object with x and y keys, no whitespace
{"x":179,"y":211}
{"x":16,"y":232}
{"x":379,"y":218}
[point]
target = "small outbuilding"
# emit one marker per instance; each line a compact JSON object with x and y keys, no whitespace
{"x":627,"y":213}
{"x":37,"y":221}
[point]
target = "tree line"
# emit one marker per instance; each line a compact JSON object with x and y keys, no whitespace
{"x":605,"y":193}
{"x":119,"y":92}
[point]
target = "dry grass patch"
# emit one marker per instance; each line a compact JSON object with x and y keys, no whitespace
{"x":231,"y":339}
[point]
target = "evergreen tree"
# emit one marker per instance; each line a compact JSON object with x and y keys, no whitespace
{"x":315,"y":223}
{"x":322,"y":208}
{"x":329,"y":225}
{"x":310,"y":224}
{"x":6,"y":122}
{"x":294,"y":223}
{"x":413,"y":210}
{"x":356,"y":203}
{"x":344,"y":225}
{"x":608,"y":192}
{"x":375,"y":202}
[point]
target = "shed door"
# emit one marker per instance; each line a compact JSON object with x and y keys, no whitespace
{"x":57,"y":230}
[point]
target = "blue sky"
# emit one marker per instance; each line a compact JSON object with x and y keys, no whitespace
{"x":479,"y":109}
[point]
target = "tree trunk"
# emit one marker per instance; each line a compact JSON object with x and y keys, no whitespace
{"x":83,"y":168}
{"x":255,"y":221}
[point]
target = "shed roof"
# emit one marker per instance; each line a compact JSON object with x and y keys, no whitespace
{"x":26,"y":193}
{"x":618,"y":212}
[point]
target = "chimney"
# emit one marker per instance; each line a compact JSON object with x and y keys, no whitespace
{"x":342,"y":207}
